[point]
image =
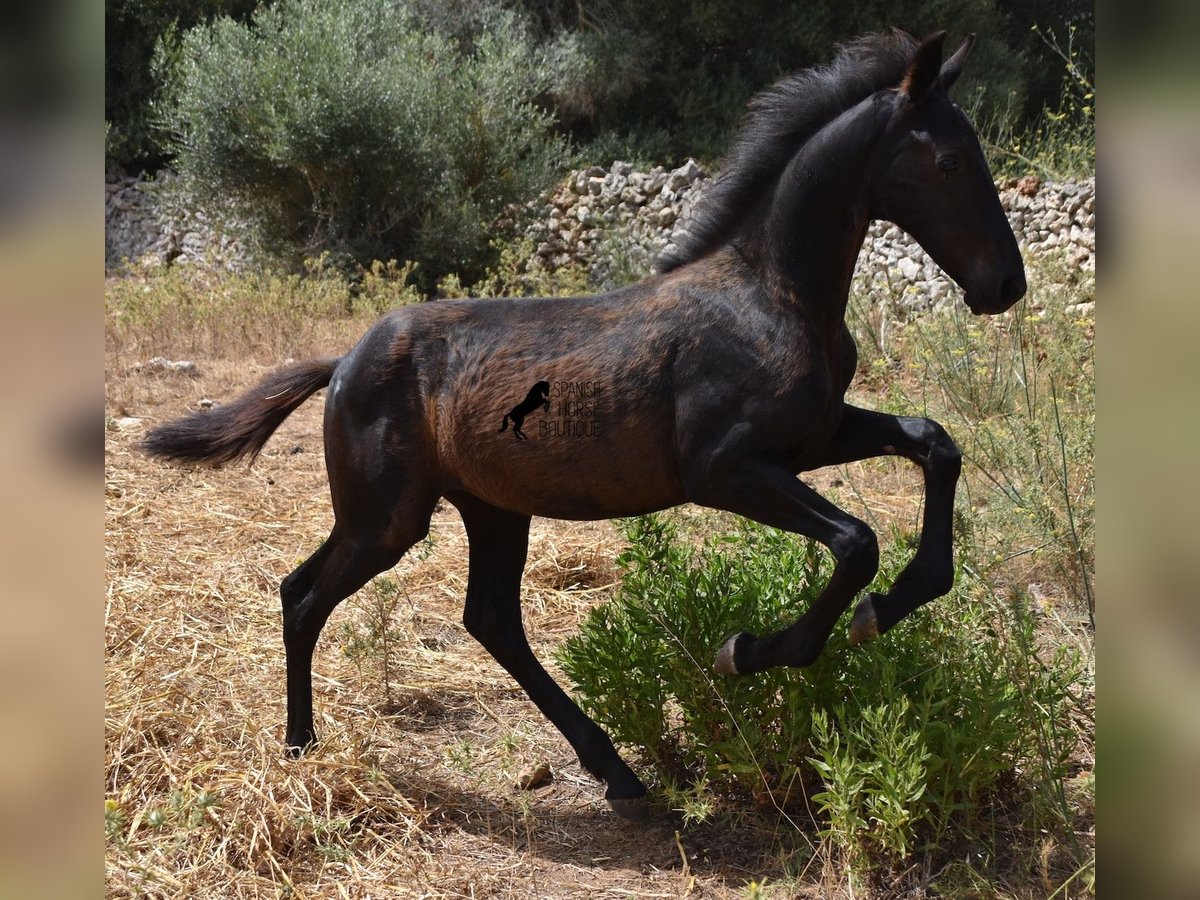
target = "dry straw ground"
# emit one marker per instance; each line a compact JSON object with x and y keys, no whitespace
{"x":412,"y":792}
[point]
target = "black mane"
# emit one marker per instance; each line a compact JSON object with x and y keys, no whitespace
{"x":779,"y":120}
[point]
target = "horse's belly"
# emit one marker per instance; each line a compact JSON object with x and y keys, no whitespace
{"x":568,"y":471}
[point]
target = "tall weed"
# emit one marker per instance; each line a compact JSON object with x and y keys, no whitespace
{"x":185,"y":310}
{"x":1018,"y":394}
{"x":1061,"y":143}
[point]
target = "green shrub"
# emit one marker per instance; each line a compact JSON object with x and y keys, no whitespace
{"x":344,"y":126}
{"x":677,"y":73}
{"x":132,"y":30}
{"x":893,"y":742}
{"x":512,"y":276}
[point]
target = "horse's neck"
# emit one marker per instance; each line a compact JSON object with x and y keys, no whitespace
{"x":819,"y":218}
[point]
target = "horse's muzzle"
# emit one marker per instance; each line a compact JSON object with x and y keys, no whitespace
{"x":1001,"y":298}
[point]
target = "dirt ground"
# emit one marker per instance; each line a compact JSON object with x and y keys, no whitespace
{"x":412,"y":792}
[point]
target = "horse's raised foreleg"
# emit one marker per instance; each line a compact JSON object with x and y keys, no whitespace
{"x":498,"y":543}
{"x":930,"y":574}
{"x":774,"y":496}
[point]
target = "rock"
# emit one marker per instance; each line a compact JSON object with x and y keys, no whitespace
{"x":683,"y":176}
{"x":159,"y":365}
{"x":909,"y":268}
{"x":655,"y":181}
{"x":535,"y":776}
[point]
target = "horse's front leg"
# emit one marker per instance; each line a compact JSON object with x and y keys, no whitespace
{"x":774,"y":496}
{"x":864,"y":434}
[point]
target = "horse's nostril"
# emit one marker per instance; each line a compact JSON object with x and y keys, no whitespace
{"x":1012,"y":288}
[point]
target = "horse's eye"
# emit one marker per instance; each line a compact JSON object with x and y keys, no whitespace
{"x":947,"y":163}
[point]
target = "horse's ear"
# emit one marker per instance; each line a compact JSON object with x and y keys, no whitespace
{"x":924,"y":69}
{"x":952,"y":67}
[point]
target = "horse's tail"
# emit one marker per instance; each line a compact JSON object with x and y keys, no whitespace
{"x":504,"y":423}
{"x":240,"y":428}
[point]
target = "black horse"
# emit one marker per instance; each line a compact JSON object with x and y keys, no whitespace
{"x":539,"y":395}
{"x":728,"y":367}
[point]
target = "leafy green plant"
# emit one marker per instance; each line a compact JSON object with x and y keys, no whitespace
{"x":350,"y":127}
{"x":513,"y":276}
{"x":373,"y":640}
{"x":894,"y":742}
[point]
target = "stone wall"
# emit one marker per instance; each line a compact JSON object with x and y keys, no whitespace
{"x":617,"y":221}
{"x":146,"y":219}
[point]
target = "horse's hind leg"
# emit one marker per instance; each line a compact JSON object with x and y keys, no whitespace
{"x":930,"y":574}
{"x":498,"y":544}
{"x":356,"y":551}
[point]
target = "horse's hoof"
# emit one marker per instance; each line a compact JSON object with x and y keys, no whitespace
{"x":725,"y":664}
{"x":631,"y":809}
{"x":864,"y":626}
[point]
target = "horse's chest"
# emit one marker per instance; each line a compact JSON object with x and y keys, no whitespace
{"x":808,"y":411}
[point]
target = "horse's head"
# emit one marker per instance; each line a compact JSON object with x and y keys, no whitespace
{"x":934,"y":182}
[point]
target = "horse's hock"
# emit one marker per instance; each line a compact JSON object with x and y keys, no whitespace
{"x":617,"y":221}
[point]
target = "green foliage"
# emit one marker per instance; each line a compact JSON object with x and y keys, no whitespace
{"x":894,"y":742}
{"x":654,"y":81}
{"x":512,"y":276}
{"x":132,"y":30}
{"x":678,"y":73}
{"x":371,"y":640}
{"x":345,"y":127}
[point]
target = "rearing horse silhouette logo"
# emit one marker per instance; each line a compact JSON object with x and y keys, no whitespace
{"x":539,"y":395}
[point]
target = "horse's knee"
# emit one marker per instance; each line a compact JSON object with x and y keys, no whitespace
{"x":943,"y":452}
{"x":856,"y":549}
{"x":295,"y":626}
{"x":938,"y":582}
{"x":938,"y":452}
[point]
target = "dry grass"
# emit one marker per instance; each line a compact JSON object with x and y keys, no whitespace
{"x":412,"y":791}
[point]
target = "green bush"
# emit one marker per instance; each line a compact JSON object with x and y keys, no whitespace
{"x":678,"y":73}
{"x":343,"y":126}
{"x":893,"y":742}
{"x":132,"y":30}
{"x":1058,"y":140}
